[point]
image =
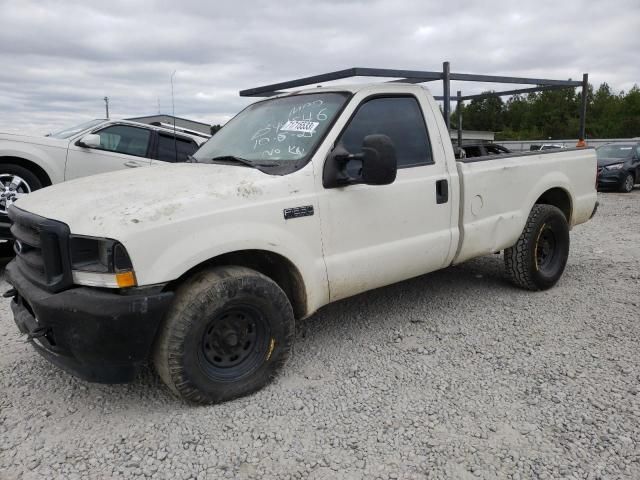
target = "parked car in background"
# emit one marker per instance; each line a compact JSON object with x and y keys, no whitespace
{"x":484,"y":149}
{"x":28,"y":163}
{"x":618,"y":166}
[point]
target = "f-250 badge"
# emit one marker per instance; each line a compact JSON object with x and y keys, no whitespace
{"x":296,"y":212}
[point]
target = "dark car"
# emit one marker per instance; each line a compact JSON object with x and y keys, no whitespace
{"x":483,"y":149}
{"x":618,"y":166}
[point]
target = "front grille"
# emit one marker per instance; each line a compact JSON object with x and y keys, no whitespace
{"x":42,"y":249}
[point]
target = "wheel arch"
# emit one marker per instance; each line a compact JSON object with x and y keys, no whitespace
{"x":273,"y":265}
{"x":560,"y":198}
{"x":42,"y":175}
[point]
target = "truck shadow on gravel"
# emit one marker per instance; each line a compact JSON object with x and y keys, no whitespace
{"x":410,"y":301}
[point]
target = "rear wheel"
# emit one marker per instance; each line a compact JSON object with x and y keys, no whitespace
{"x":229,"y":331}
{"x":537,"y":260}
{"x":627,"y":183}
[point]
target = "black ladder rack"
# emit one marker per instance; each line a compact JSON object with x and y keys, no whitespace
{"x":420,"y":76}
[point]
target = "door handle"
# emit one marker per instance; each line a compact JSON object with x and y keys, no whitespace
{"x":131,"y":164}
{"x":442,"y":191}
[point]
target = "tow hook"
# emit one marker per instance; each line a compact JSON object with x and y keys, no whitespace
{"x":11,"y":293}
{"x":38,"y":332}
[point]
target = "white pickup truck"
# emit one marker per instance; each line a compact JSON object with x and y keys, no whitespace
{"x":300,"y":200}
{"x":28,"y":163}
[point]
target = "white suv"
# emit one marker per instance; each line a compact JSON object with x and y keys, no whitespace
{"x":28,"y":163}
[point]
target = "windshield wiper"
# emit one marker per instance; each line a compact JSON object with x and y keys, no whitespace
{"x":244,"y":161}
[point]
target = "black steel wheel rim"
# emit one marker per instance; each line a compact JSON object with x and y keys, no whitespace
{"x":546,"y":250}
{"x":234,"y":343}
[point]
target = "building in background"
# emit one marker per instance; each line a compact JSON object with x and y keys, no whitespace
{"x":472,"y":136}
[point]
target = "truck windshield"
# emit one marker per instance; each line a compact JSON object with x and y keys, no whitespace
{"x":70,"y":132}
{"x":281,"y":132}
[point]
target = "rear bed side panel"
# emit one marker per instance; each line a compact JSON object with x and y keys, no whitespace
{"x":498,"y":194}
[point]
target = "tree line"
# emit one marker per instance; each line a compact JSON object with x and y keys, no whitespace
{"x":555,"y":114}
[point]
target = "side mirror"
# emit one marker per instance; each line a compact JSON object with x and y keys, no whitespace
{"x":90,"y":141}
{"x":375,"y":165}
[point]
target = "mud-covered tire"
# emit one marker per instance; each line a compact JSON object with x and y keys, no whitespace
{"x":627,"y":184}
{"x":538,"y":259}
{"x":228,"y":332}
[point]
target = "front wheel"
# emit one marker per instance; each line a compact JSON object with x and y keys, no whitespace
{"x":537,"y":260}
{"x":15,"y":181}
{"x":627,"y":183}
{"x":229,"y":331}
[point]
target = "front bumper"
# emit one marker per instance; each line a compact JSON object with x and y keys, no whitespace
{"x":97,"y":335}
{"x":611,"y":178}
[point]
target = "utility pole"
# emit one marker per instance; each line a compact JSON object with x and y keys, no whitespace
{"x":173,"y":104}
{"x":106,"y":106}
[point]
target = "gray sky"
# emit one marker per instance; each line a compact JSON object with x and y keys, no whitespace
{"x":60,"y":58}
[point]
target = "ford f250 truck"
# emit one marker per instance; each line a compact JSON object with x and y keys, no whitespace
{"x":302,"y":199}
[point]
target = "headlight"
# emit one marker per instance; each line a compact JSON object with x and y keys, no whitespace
{"x":615,"y":166}
{"x":100,"y":262}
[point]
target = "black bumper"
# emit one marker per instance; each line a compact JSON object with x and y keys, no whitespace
{"x":611,"y":178}
{"x":97,"y":335}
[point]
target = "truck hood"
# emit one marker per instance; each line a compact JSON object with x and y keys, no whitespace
{"x":118,"y":204}
{"x":34,"y":139}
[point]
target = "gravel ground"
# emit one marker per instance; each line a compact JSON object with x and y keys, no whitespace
{"x":455,"y":374}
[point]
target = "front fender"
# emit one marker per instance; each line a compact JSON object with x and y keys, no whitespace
{"x":187,"y":247}
{"x":51,"y":159}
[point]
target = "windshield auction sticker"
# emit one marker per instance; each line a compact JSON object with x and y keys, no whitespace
{"x":302,"y":126}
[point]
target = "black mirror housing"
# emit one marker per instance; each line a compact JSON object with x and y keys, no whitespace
{"x":378,"y":164}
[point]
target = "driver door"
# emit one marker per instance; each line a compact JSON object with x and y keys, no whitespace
{"x":121,"y":146}
{"x":375,"y":235}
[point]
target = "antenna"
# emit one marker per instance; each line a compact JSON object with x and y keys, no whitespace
{"x":173,"y":113}
{"x":106,"y":106}
{"x":158,"y":105}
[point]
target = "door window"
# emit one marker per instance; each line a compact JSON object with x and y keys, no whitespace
{"x":400,"y":118}
{"x":175,"y":151}
{"x":125,"y":139}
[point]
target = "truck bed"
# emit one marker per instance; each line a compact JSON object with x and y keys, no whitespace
{"x":497,"y":193}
